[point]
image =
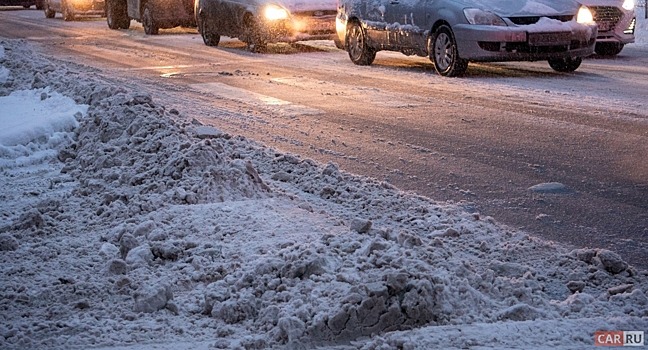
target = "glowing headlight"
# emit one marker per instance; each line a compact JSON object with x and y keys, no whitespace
{"x":481,"y":17}
{"x":629,"y":5}
{"x":275,"y":13}
{"x":584,"y":16}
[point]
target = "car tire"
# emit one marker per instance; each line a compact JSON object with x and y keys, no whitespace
{"x":209,"y":36}
{"x":359,"y":50}
{"x":49,"y":13}
{"x":443,"y":52}
{"x":608,"y":49}
{"x":565,"y":65}
{"x":252,"y":35}
{"x":116,"y":14}
{"x":148,"y":21}
{"x":68,"y":13}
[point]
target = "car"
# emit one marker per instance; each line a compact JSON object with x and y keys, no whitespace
{"x":452,"y":33}
{"x":259,"y":22}
{"x":153,"y":14}
{"x":616,"y":22}
{"x":74,"y":9}
{"x":24,"y":3}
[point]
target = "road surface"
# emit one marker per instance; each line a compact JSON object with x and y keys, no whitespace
{"x":481,"y":141}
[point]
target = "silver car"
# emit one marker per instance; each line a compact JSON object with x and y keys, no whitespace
{"x":258,"y":22}
{"x":74,"y":9}
{"x":454,"y":32}
{"x":616,"y":24}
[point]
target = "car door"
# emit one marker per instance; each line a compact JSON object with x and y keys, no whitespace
{"x":375,"y":17}
{"x":407,"y":20}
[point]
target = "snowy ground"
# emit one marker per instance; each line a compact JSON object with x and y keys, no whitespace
{"x":124,"y":225}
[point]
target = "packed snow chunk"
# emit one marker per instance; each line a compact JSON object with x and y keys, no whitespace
{"x":509,"y":269}
{"x":611,"y":261}
{"x":521,"y":312}
{"x":31,"y":219}
{"x":576,"y":286}
{"x":117,"y":267}
{"x":34,"y":124}
{"x":32,"y":115}
{"x":153,"y":298}
{"x":109,"y":250}
{"x":399,"y":302}
{"x":360,"y":225}
{"x":141,"y":255}
{"x":584,"y":254}
{"x":8,"y":242}
{"x":236,"y":310}
{"x":144,"y":228}
{"x":550,"y":187}
{"x":577,"y":302}
{"x":209,"y":132}
{"x":291,"y":328}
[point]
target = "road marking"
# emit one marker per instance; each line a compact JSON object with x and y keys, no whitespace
{"x":286,"y":108}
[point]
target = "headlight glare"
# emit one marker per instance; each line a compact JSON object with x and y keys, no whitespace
{"x":629,"y":5}
{"x":275,"y":13}
{"x":584,"y":16}
{"x":481,"y":17}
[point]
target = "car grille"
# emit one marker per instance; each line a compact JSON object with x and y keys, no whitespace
{"x":534,"y":19}
{"x":606,"y":17}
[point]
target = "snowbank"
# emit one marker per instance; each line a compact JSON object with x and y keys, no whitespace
{"x":149,"y":228}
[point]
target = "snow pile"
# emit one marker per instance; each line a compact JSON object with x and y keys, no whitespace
{"x":150,"y":228}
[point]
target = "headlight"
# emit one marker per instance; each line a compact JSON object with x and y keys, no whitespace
{"x":584,"y":16}
{"x":275,"y":13}
{"x":481,"y":17}
{"x":629,"y":5}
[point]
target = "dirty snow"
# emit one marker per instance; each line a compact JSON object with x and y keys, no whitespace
{"x":133,"y":226}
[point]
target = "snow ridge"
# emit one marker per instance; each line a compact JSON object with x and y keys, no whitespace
{"x":149,"y":228}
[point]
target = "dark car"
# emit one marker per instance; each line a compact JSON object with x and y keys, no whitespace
{"x":258,"y":22}
{"x":24,"y":3}
{"x":616,"y":23}
{"x":454,"y":32}
{"x":73,"y":9}
{"x":153,"y":14}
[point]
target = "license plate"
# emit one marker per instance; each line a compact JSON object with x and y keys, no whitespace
{"x":548,"y":39}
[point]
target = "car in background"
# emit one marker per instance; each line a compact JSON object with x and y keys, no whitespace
{"x":74,"y":9}
{"x":259,"y":22}
{"x":616,"y":22}
{"x":454,"y":32}
{"x":153,"y":14}
{"x":24,"y":3}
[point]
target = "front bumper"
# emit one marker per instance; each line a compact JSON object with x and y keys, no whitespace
{"x":300,"y":28}
{"x":614,"y":24}
{"x":498,"y":43}
{"x":88,"y":8}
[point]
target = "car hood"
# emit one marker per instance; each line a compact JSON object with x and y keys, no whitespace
{"x":308,"y":5}
{"x":616,"y":3}
{"x":515,"y":8}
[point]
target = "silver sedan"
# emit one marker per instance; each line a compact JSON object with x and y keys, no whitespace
{"x":454,"y":32}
